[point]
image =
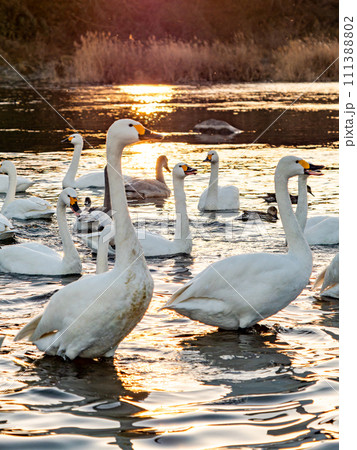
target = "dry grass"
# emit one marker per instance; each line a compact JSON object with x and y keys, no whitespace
{"x":101,"y":58}
{"x":305,"y":60}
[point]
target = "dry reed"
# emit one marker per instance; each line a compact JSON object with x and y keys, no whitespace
{"x":305,"y":60}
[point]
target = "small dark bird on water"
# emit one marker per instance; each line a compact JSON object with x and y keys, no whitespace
{"x":271,"y":215}
{"x":271,"y":198}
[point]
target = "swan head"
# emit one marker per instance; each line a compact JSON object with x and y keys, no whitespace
{"x":128,"y":131}
{"x":164,"y":162}
{"x":291,"y":166}
{"x":212,"y":157}
{"x":74,"y":139}
{"x":69,"y":197}
{"x":7,"y":166}
{"x":182,"y":170}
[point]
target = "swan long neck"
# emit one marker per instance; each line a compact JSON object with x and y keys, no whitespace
{"x":11,"y":190}
{"x":294,"y":236}
{"x":69,"y":178}
{"x":302,"y":206}
{"x":107,"y":201}
{"x":127,"y":247}
{"x":159,"y":171}
{"x":182,"y":226}
{"x":102,"y":253}
{"x":69,"y":250}
{"x":212,"y":193}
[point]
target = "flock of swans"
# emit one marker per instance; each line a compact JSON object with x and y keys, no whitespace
{"x":91,"y":316}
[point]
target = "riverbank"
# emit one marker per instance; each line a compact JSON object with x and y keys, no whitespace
{"x":100,"y":58}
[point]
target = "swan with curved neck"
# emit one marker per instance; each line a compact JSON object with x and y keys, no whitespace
{"x":218,"y":198}
{"x":38,"y":259}
{"x":239,"y":291}
{"x":22,"y":208}
{"x":92,"y":179}
{"x":90,"y":317}
{"x":318,"y":230}
{"x":153,"y":244}
{"x":141,"y":189}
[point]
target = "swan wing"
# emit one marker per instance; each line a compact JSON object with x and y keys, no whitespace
{"x":5,"y":223}
{"x":146,"y":188}
{"x":92,"y":179}
{"x":228,"y":197}
{"x":21,"y":185}
{"x":239,"y":291}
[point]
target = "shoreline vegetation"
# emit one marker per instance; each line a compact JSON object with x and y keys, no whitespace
{"x":169,"y":41}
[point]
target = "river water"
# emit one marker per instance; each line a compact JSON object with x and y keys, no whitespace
{"x":175,"y":383}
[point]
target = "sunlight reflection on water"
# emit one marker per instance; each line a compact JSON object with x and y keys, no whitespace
{"x":175,"y":383}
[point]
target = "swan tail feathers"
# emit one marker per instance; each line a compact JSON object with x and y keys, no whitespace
{"x":28,"y":330}
{"x":320,"y":279}
{"x":175,"y":295}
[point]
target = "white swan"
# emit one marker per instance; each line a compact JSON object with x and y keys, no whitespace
{"x":7,"y":230}
{"x":37,"y":259}
{"x":153,"y":244}
{"x":141,"y":189}
{"x":89,"y":317}
{"x":239,"y":291}
{"x":318,"y":230}
{"x":218,"y":198}
{"x":329,"y":279}
{"x":22,"y":183}
{"x":22,"y":208}
{"x":92,"y":179}
{"x":90,"y":221}
{"x":106,"y":235}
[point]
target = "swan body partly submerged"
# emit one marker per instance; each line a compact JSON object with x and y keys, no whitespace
{"x":7,"y":230}
{"x":329,"y":279}
{"x":22,"y":208}
{"x":37,"y":259}
{"x":218,"y":198}
{"x":239,"y":291}
{"x":89,"y":317}
{"x":140,"y":189}
{"x":22,"y":183}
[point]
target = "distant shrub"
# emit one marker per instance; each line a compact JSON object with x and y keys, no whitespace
{"x":102,"y":58}
{"x":305,"y":60}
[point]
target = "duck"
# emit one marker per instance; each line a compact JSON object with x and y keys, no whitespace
{"x":329,"y":280}
{"x":92,"y":179}
{"x":37,"y":259}
{"x":7,"y":230}
{"x":22,"y":208}
{"x":218,"y":198}
{"x":22,"y":184}
{"x":140,"y":189}
{"x":153,"y":244}
{"x":271,"y":198}
{"x":271,"y":215}
{"x":239,"y":291}
{"x":90,"y":220}
{"x":88,"y":318}
{"x":318,"y":230}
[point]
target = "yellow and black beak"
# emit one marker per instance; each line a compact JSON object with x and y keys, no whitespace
{"x":145,"y":134}
{"x":67,"y":139}
{"x":208,"y":158}
{"x":189,"y":170}
{"x":74,"y":205}
{"x":311,"y":169}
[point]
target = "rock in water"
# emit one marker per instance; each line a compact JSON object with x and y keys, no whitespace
{"x":213,"y":126}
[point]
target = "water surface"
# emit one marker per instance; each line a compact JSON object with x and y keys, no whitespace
{"x":175,"y":383}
